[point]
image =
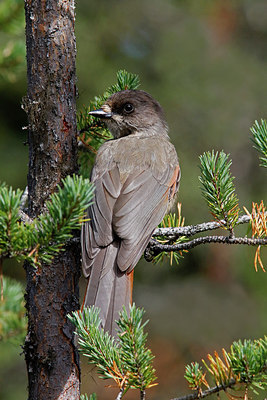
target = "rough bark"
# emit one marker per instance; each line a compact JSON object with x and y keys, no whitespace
{"x":52,"y":290}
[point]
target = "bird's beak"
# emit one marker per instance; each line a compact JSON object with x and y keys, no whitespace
{"x":100,"y":113}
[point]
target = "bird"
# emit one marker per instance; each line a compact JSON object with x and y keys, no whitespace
{"x":136,"y":176}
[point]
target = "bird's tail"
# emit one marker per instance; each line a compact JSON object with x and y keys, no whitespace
{"x":108,"y":288}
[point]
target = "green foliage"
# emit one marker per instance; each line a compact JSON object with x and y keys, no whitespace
{"x":125,"y":81}
{"x":194,"y":375}
{"x":12,"y":312}
{"x":42,"y":238}
{"x":136,"y":359}
{"x":93,"y":131}
{"x":126,"y":360}
{"x":248,"y":361}
{"x":244,"y":367}
{"x":11,"y":234}
{"x":98,"y":346}
{"x":65,"y":212}
{"x":218,"y":189}
{"x":12,"y":53}
{"x":259,"y":132}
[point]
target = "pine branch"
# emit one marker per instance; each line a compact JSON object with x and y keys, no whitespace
{"x":218,"y":189}
{"x":154,"y":247}
{"x":243,"y":367}
{"x":166,"y":240}
{"x":98,"y":346}
{"x":135,"y":357}
{"x":65,"y":212}
{"x":191,"y":230}
{"x":208,"y":392}
{"x":126,"y":360}
{"x":259,"y":132}
{"x":40,"y":239}
{"x":174,"y":239}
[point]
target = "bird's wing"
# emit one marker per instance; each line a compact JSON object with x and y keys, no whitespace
{"x":127,"y":212}
{"x":140,"y":207}
{"x":97,"y":232}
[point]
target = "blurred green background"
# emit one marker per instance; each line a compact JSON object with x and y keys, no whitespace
{"x":205,"y":61}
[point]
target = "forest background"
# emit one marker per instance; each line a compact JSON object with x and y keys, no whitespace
{"x":205,"y":61}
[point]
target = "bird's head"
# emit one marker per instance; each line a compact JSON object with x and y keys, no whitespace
{"x":132,"y":112}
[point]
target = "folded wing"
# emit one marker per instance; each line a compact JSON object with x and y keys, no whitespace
{"x":127,"y":213}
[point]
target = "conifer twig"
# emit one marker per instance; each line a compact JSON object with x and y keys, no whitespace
{"x":218,"y":189}
{"x":42,"y":238}
{"x":126,"y":360}
{"x":208,"y":392}
{"x":191,"y":230}
{"x":244,"y":367}
{"x":259,"y":132}
{"x":154,"y":247}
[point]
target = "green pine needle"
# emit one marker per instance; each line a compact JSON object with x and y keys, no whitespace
{"x":126,"y":360}
{"x":65,"y":212}
{"x":125,"y":81}
{"x":218,"y":189}
{"x":248,"y":361}
{"x":243,"y":367}
{"x":12,"y":236}
{"x":194,"y":376}
{"x":135,"y":357}
{"x":259,"y":132}
{"x":95,"y":344}
{"x":42,"y":239}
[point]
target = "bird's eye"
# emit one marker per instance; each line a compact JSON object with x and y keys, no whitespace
{"x":128,"y":108}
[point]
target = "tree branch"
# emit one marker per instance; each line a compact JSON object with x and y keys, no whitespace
{"x":120,"y":394}
{"x":142,"y":394}
{"x":155,"y":247}
{"x":191,"y":230}
{"x":208,"y":392}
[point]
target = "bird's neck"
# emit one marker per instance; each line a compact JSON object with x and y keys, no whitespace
{"x":159,"y":128}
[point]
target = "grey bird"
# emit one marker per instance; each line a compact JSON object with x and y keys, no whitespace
{"x":136,"y":176}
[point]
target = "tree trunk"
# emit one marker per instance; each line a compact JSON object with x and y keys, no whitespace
{"x":52,"y":290}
